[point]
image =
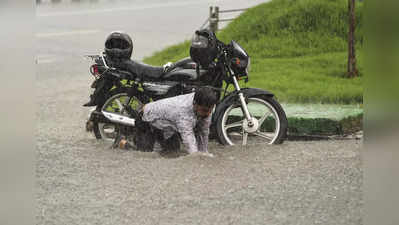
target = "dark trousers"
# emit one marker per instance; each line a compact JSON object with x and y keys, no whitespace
{"x":147,"y":135}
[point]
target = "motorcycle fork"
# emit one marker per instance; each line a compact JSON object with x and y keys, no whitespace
{"x":244,"y":106}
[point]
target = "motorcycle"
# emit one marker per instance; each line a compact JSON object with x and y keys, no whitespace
{"x":242,"y":116}
{"x":110,"y":81}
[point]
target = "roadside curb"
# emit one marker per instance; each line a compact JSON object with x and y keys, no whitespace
{"x":298,"y":126}
{"x":320,"y":120}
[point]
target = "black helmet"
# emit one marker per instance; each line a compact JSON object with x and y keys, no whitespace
{"x":203,"y":48}
{"x":118,"y":45}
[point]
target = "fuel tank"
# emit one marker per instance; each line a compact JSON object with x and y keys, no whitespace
{"x":181,"y":74}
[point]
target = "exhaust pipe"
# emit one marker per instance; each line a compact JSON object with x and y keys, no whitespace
{"x":117,"y":118}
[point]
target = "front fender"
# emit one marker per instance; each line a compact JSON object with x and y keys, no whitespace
{"x":233,"y":97}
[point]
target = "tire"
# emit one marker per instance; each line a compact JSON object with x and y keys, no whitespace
{"x":99,"y":126}
{"x":107,"y":131}
{"x":270,"y":124}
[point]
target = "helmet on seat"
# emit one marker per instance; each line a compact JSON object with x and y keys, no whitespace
{"x":203,"y":48}
{"x":118,"y":45}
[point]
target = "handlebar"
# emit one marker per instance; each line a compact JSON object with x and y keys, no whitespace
{"x":105,"y":63}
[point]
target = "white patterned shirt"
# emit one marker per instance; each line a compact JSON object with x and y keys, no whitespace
{"x":176,"y":114}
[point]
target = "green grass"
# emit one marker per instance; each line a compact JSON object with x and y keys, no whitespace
{"x":307,"y":79}
{"x":298,"y":50}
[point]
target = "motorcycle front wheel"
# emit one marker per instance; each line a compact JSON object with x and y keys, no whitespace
{"x":114,"y":104}
{"x":269,"y":125}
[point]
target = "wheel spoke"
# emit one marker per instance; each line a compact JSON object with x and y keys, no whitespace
{"x":235,"y":134}
{"x":262,"y":135}
{"x":235,"y":124}
{"x":245,"y":138}
{"x":262,"y":119}
{"x":119,"y":105}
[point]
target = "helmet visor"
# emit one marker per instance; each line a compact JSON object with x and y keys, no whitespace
{"x":118,"y":43}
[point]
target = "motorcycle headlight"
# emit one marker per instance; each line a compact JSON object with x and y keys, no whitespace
{"x":240,"y":66}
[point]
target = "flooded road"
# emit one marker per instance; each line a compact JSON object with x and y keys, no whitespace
{"x":80,"y":180}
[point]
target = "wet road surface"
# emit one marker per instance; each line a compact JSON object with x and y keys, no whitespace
{"x":82,"y":181}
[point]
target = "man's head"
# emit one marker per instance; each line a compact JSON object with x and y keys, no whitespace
{"x":204,"y":101}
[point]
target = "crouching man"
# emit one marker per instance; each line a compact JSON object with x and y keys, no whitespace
{"x":184,"y":118}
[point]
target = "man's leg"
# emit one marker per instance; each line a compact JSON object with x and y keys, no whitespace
{"x":144,"y":139}
{"x":159,"y":139}
{"x":172,"y":143}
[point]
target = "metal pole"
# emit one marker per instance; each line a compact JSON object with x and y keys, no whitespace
{"x":217,"y":18}
{"x":213,"y":18}
{"x":232,"y":10}
{"x":210,"y":12}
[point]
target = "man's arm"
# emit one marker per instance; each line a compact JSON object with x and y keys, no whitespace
{"x":187,"y":134}
{"x":202,"y":134}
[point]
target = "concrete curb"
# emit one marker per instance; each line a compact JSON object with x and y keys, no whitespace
{"x":324,"y":126}
{"x":323,"y":120}
{"x":318,"y":120}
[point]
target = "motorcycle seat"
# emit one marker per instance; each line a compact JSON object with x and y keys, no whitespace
{"x":142,"y":70}
{"x":154,"y":72}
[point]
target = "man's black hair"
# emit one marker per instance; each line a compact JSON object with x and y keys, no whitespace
{"x":205,"y":96}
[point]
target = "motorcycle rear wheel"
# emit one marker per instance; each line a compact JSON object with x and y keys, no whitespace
{"x":270,"y":124}
{"x":108,"y":131}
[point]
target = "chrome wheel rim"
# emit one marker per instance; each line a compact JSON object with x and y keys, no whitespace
{"x":235,"y":126}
